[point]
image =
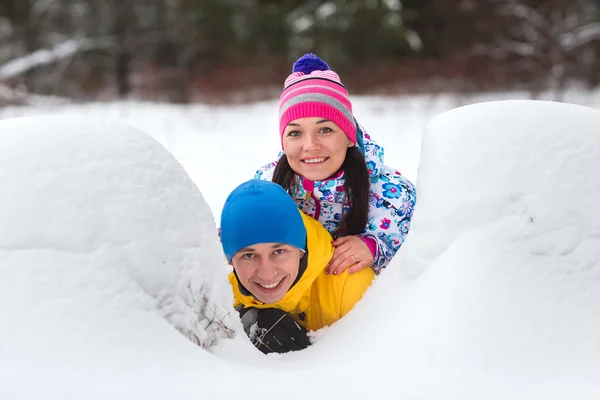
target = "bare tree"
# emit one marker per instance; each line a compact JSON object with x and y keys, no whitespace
{"x":545,"y":38}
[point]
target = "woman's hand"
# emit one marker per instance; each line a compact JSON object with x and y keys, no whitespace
{"x":350,"y":252}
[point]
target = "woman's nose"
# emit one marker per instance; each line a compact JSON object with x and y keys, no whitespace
{"x":311,"y":142}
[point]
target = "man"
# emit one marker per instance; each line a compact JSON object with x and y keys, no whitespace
{"x":279,"y":256}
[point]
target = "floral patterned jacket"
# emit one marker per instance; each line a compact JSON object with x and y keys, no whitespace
{"x":392,"y":199}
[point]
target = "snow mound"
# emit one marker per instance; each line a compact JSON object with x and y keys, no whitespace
{"x":506,"y":246}
{"x":100,"y":226}
{"x":495,"y":294}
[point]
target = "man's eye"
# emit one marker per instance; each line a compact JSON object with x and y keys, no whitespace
{"x":279,"y":251}
{"x":248,"y":256}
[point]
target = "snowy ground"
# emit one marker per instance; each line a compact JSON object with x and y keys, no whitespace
{"x":221,"y":146}
{"x":496,"y":293}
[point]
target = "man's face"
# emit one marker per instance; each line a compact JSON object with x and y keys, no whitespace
{"x":267,"y":270}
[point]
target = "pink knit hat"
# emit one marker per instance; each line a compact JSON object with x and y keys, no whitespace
{"x":313,"y":90}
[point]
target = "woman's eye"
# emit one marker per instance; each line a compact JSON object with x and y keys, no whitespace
{"x":293,"y":133}
{"x":325,"y":130}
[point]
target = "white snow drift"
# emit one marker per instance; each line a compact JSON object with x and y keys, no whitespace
{"x":495,"y":294}
{"x":101,"y":238}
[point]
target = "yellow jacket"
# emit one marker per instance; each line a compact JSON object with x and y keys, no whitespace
{"x":323,"y":299}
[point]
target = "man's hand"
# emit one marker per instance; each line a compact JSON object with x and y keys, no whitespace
{"x":273,"y":331}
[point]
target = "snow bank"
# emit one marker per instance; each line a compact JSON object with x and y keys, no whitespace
{"x":222,"y":146}
{"x":506,"y":245}
{"x":495,"y":294}
{"x":103,"y":239}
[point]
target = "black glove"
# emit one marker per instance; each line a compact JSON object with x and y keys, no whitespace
{"x":273,"y":331}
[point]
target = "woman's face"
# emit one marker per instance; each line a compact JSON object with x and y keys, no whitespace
{"x":315,"y":147}
{"x":267,"y":270}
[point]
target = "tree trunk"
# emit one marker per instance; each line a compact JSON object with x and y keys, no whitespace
{"x":122,"y":71}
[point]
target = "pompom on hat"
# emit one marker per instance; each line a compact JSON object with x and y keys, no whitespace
{"x":314,"y":90}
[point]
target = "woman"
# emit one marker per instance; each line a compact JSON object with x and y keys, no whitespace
{"x":279,"y":255}
{"x":335,"y":171}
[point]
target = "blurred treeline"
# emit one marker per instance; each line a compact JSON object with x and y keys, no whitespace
{"x":224,"y":50}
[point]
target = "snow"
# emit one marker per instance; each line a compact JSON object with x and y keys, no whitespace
{"x":495,"y":294}
{"x":101,"y":246}
{"x":506,"y":249}
{"x":220,"y":147}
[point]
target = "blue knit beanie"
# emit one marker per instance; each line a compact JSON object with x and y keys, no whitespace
{"x":260,"y":212}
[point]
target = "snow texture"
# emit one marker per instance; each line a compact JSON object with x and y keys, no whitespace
{"x":101,"y":239}
{"x":495,"y":294}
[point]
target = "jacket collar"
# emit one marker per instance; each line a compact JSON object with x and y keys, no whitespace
{"x":320,"y":252}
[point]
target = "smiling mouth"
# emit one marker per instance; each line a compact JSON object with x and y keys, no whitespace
{"x":315,"y":161}
{"x":272,"y":287}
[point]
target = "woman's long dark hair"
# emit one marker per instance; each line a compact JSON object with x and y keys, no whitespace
{"x":356,"y":187}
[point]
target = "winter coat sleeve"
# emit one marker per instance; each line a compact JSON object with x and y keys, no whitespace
{"x":391,"y":203}
{"x":265,"y":173}
{"x":355,"y":286}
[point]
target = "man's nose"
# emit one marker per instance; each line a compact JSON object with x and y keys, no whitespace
{"x":267,"y":271}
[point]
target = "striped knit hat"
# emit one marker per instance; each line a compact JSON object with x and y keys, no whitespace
{"x":313,"y":90}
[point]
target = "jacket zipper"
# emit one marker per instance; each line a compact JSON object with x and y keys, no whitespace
{"x":317,"y":213}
